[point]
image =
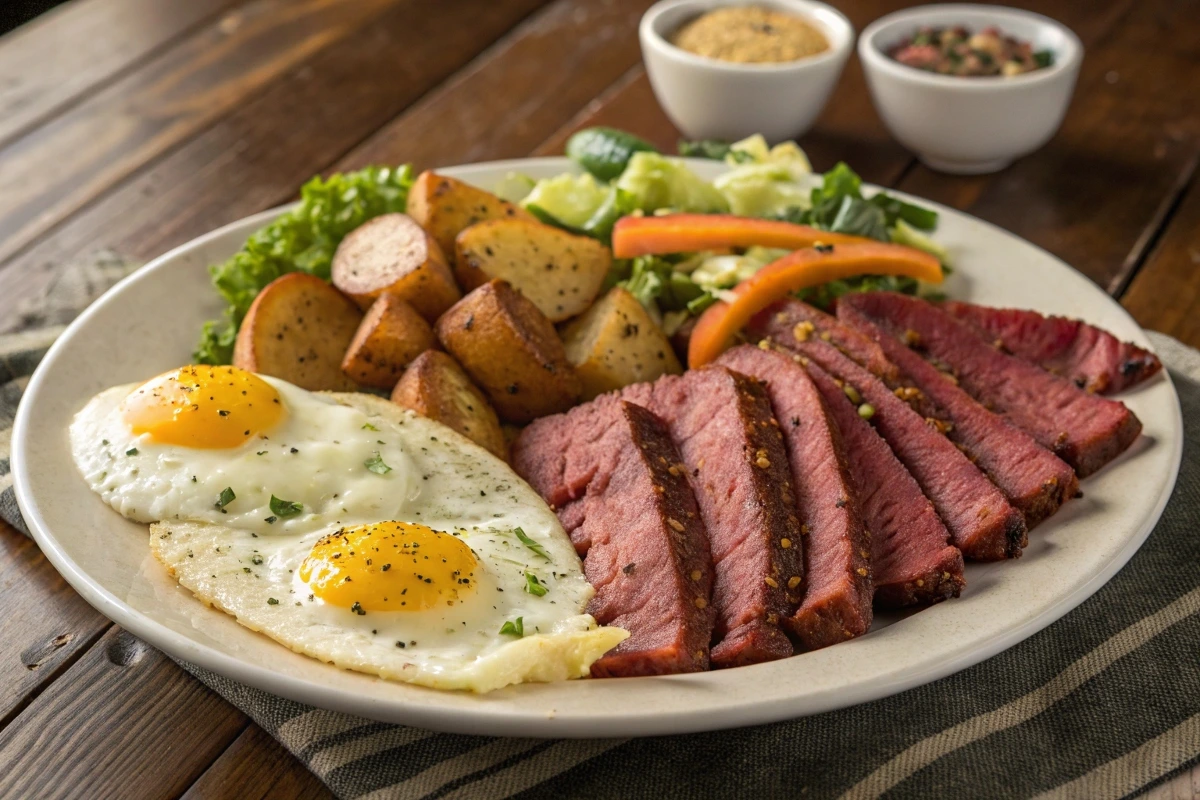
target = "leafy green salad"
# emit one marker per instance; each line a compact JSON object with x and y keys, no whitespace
{"x":623,"y":175}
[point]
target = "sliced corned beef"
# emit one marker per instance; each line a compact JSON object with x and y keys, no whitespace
{"x":805,"y":321}
{"x":981,"y":521}
{"x":912,"y":560}
{"x":1092,"y":357}
{"x":649,"y":560}
{"x":1035,"y":480}
{"x":1083,"y":429}
{"x":733,"y":453}
{"x":837,"y":556}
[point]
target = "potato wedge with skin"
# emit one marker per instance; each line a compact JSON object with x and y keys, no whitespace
{"x":389,"y":337}
{"x":616,"y":343}
{"x":298,"y":329}
{"x":444,"y":206}
{"x":392,"y":254}
{"x":435,"y":386}
{"x":511,"y":351}
{"x":560,"y":272}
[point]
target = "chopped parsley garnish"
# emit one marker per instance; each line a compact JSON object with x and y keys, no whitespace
{"x":533,"y":586}
{"x":376,"y":465}
{"x":256,"y":560}
{"x":271,"y":601}
{"x":285,"y":508}
{"x":104,"y":442}
{"x":131,"y":451}
{"x":270,"y":520}
{"x":531,"y":544}
{"x":369,"y":427}
{"x":514,"y":627}
{"x":227,"y":497}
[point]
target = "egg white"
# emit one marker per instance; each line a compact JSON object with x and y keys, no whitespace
{"x":235,"y":559}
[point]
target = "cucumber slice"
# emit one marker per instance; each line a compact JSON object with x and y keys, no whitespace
{"x":604,"y":152}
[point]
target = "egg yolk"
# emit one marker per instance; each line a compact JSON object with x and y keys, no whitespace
{"x":203,"y":407}
{"x":389,"y":566}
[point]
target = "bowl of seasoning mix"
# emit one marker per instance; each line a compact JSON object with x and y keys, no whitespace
{"x":970,"y":88}
{"x":724,"y":69}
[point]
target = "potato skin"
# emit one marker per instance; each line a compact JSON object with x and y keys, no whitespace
{"x":444,"y":206}
{"x":616,"y":343}
{"x":393,"y":254}
{"x":511,"y":351}
{"x":435,"y":386}
{"x":298,"y":329}
{"x":389,"y":337}
{"x":560,"y":272}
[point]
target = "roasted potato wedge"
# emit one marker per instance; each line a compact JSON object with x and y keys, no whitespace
{"x":444,"y":206}
{"x":616,"y":343}
{"x":393,"y":254}
{"x":560,"y":272}
{"x":389,"y":337}
{"x":298,"y":329}
{"x":435,"y":386}
{"x":511,"y":351}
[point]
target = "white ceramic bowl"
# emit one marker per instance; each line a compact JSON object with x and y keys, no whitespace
{"x":970,"y":125}
{"x":711,"y":99}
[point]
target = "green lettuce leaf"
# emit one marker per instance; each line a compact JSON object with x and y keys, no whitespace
{"x":300,"y":240}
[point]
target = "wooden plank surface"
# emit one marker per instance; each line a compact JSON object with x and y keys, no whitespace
{"x":45,"y":624}
{"x":42,"y":71}
{"x":1165,"y":295}
{"x":123,"y":721}
{"x":59,"y":167}
{"x":257,"y":767}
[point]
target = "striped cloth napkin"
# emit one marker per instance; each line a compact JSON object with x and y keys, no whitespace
{"x":1102,"y":704}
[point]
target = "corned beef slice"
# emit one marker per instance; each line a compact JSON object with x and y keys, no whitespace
{"x":981,"y":521}
{"x":734,"y":456}
{"x":1035,"y":480}
{"x":837,"y":586}
{"x":912,"y":560}
{"x":805,"y":321}
{"x":1092,"y":357}
{"x":649,"y":559}
{"x":1083,"y":429}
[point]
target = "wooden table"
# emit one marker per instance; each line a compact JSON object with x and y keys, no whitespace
{"x":135,"y":125}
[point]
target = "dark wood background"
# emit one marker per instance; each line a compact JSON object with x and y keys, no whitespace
{"x":135,"y":125}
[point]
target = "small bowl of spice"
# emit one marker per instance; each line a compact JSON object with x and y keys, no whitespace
{"x":724,"y":69}
{"x":970,"y":88}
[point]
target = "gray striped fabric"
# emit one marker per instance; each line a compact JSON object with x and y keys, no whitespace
{"x":1102,"y":704}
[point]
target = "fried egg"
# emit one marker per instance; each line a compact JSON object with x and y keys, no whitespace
{"x":344,"y":527}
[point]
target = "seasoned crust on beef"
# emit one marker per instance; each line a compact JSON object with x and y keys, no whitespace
{"x":981,"y":521}
{"x":1092,"y":357}
{"x":912,"y":559}
{"x":837,"y":560}
{"x":649,"y":559}
{"x":737,"y":465}
{"x":1085,"y":430}
{"x":1035,"y":480}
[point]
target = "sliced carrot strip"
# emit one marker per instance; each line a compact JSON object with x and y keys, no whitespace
{"x":688,"y":233}
{"x":802,"y":269}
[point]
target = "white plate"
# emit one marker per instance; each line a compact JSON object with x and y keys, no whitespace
{"x":149,"y":322}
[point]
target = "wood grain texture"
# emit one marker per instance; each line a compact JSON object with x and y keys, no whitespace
{"x":1095,"y":194}
{"x":1165,"y":293}
{"x":123,"y":721}
{"x":59,"y":167}
{"x":257,"y":767}
{"x":504,"y":104}
{"x":81,"y":46}
{"x":1184,"y":786}
{"x":45,"y":624}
